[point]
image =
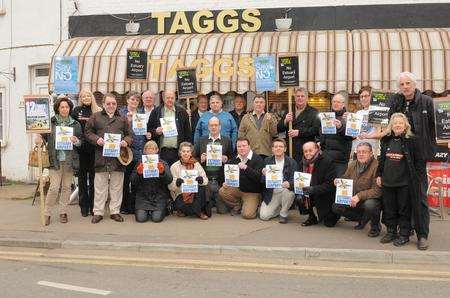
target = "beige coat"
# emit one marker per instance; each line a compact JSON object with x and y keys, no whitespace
{"x":175,"y":169}
{"x":260,"y":139}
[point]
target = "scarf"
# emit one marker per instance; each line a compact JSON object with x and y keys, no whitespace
{"x":188,"y":198}
{"x":308,"y":164}
{"x":361,"y":167}
{"x":60,"y":121}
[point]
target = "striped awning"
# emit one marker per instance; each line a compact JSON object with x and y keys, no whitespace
{"x":222,"y":59}
{"x":380,"y":55}
{"x":328,"y":60}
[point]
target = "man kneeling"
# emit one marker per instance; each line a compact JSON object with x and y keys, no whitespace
{"x":278,"y":201}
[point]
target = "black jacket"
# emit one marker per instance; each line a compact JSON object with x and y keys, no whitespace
{"x":227,"y":150}
{"x":250,"y":179}
{"x":152,"y":193}
{"x":290,"y":166}
{"x":337,"y":146}
{"x":194,"y":120}
{"x":181,"y":119}
{"x":308,"y":124}
{"x":322,"y":190}
{"x":85,"y":112}
{"x":237,"y":117}
{"x":421,"y":118}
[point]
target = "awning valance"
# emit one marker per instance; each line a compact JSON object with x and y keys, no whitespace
{"x":328,"y":60}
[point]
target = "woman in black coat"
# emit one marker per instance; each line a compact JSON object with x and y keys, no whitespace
{"x":401,"y":163}
{"x":82,"y":113}
{"x":152,"y":194}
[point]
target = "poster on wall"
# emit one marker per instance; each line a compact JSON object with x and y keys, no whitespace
{"x":187,"y":82}
{"x":65,"y":74}
{"x":288,"y":71}
{"x":442,"y":119}
{"x":265,"y":73}
{"x":136,"y":64}
{"x":379,"y":109}
{"x":37,"y":114}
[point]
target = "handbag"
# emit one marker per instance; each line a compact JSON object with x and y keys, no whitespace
{"x":33,"y":156}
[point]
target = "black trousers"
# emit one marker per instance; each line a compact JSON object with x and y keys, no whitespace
{"x":340,"y":169}
{"x":85,"y":189}
{"x":129,"y":192}
{"x":169,"y":155}
{"x":397,"y":208}
{"x":196,"y":207}
{"x":364,"y":211}
{"x":423,"y":229}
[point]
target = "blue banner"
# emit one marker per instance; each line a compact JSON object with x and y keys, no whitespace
{"x":65,"y":74}
{"x":265,"y":73}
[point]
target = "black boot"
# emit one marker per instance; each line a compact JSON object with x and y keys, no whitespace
{"x":390,"y":236}
{"x":402,"y":240}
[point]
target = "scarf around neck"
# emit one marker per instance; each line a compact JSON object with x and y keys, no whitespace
{"x":361,"y":167}
{"x":307,"y":162}
{"x":60,"y":121}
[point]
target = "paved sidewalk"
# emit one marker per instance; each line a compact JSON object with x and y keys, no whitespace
{"x":20,"y":221}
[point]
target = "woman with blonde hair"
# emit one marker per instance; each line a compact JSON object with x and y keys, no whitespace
{"x":401,"y":163}
{"x":86,"y":107}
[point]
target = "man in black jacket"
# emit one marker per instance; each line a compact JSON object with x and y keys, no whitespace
{"x":169,"y":144}
{"x":419,"y":110}
{"x":321,"y":192}
{"x":247,"y":196}
{"x":213,"y":172}
{"x":338,"y":146}
{"x":202,"y":106}
{"x":305,"y":123}
{"x":239,"y":109}
{"x":278,"y":201}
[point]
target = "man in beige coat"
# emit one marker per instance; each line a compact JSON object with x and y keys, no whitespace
{"x":259,"y":127}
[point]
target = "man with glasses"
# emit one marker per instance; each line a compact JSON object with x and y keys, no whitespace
{"x":365,"y":204}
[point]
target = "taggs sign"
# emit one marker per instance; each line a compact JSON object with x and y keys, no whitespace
{"x":187,"y":82}
{"x":288,"y":71}
{"x":136,"y":64}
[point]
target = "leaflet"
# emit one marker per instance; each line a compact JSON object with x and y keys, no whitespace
{"x":301,"y":180}
{"x":169,"y":126}
{"x":354,"y":124}
{"x":214,"y":155}
{"x":327,"y":123}
{"x":344,"y":191}
{"x":274,"y":176}
{"x":111,"y":148}
{"x":190,"y":184}
{"x":231,"y":175}
{"x":150,"y":163}
{"x":139,"y":124}
{"x":63,"y":135}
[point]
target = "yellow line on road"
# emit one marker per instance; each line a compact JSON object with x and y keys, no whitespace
{"x":190,"y":264}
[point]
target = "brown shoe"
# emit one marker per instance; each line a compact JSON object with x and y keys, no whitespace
{"x":116,"y":217}
{"x":96,"y":219}
{"x":63,"y":218}
{"x":47,"y":220}
{"x":203,"y":216}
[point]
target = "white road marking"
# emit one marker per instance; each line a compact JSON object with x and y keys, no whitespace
{"x":73,"y":288}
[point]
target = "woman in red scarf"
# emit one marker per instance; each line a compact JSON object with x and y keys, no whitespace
{"x":187,"y":187}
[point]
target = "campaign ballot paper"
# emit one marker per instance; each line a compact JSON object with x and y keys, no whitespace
{"x":327,"y":123}
{"x":301,"y":180}
{"x":213,"y":155}
{"x":63,"y":134}
{"x":189,"y":184}
{"x":111,"y":148}
{"x":231,"y":175}
{"x":169,"y":126}
{"x":344,"y":191}
{"x":139,"y":124}
{"x":150,"y":163}
{"x":354,"y":124}
{"x":274,"y":176}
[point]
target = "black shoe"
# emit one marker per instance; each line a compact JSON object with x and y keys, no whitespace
{"x":234,"y":212}
{"x":374,"y":232}
{"x":283,"y":220}
{"x":389,"y":237}
{"x":312,"y":220}
{"x":84,"y":213}
{"x":422,"y":243}
{"x":125,"y":212}
{"x":402,"y":240}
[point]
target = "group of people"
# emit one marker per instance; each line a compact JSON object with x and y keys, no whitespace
{"x":387,"y":165}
